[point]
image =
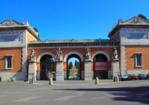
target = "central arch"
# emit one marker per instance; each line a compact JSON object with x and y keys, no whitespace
{"x":74,"y":66}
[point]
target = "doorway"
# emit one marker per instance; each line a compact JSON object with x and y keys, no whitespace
{"x":47,"y":65}
{"x":100,"y":66}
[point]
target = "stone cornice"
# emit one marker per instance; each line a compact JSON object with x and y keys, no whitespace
{"x":69,"y":43}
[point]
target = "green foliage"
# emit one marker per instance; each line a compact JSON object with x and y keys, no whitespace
{"x":36,"y":29}
{"x":70,"y":65}
{"x":77,"y":64}
{"x":142,"y":16}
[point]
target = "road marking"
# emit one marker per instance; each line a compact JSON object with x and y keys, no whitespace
{"x":27,"y":99}
{"x":65,"y":98}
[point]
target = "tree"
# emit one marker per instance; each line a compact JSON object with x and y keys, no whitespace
{"x":70,"y":65}
{"x":77,"y":64}
{"x":142,"y":16}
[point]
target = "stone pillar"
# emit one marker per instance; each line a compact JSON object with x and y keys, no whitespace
{"x":24,"y":64}
{"x":32,"y":71}
{"x":123,"y":58}
{"x":115,"y":69}
{"x":115,"y":65}
{"x":32,"y":68}
{"x":88,"y":70}
{"x":59,"y":71}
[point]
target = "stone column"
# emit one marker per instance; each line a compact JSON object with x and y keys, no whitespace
{"x":123,"y":58}
{"x":59,"y":71}
{"x":32,"y":68}
{"x":115,"y":69}
{"x":88,"y":70}
{"x":115,"y":65}
{"x":32,"y":71}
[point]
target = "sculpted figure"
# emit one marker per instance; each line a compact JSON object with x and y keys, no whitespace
{"x":33,"y":57}
{"x":115,"y":54}
{"x":88,"y":55}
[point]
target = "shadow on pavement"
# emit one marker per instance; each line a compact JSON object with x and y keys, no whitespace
{"x":133,"y":94}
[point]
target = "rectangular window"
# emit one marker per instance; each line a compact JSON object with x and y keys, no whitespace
{"x":137,"y":36}
{"x":8,"y":62}
{"x":8,"y":38}
{"x":138,"y":60}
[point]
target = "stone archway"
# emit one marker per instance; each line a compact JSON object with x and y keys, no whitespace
{"x":47,"y":64}
{"x":101,"y":52}
{"x":100,"y":65}
{"x":45,"y":53}
{"x":75,"y":72}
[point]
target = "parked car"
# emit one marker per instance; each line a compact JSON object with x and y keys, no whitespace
{"x":123,"y":76}
{"x":141,"y":76}
{"x":132,"y":77}
{"x":147,"y":76}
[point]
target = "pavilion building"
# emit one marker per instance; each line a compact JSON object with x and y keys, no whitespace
{"x":23,"y":54}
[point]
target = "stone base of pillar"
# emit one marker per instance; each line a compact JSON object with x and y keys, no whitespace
{"x":32,"y":72}
{"x":115,"y":69}
{"x":88,"y":71}
{"x":59,"y":71}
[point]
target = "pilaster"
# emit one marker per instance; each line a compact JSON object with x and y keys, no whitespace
{"x":88,"y":70}
{"x":123,"y":58}
{"x":32,"y":71}
{"x":59,"y":70}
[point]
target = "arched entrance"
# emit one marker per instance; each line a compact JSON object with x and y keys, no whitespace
{"x":47,"y":64}
{"x":73,"y":71}
{"x":100,"y":66}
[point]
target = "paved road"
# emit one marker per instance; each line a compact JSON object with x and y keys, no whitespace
{"x":75,"y":93}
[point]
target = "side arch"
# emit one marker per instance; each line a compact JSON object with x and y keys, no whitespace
{"x":101,"y":52}
{"x":45,"y":53}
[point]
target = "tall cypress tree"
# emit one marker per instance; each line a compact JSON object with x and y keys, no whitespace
{"x":70,"y":65}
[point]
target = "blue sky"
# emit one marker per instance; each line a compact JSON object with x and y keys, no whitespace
{"x":72,"y":19}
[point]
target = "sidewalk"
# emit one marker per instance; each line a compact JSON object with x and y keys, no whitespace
{"x":76,"y":82}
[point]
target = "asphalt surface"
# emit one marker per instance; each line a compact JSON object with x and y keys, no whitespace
{"x":75,"y":93}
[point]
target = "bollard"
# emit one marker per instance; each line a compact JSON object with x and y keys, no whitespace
{"x":51,"y":81}
{"x":117,"y":78}
{"x":97,"y":81}
{"x":31,"y":81}
{"x":114,"y":79}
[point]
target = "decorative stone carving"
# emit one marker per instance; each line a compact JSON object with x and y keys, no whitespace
{"x":10,"y":22}
{"x":59,"y":55}
{"x":115,"y":54}
{"x":88,"y":55}
{"x":136,"y":20}
{"x":33,"y":57}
